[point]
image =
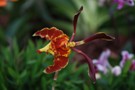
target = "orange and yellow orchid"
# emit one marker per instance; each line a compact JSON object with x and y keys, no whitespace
{"x":60,"y":46}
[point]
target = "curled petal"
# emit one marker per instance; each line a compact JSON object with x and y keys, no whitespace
{"x":91,"y":66}
{"x":48,"y":49}
{"x":59,"y":63}
{"x":49,"y":33}
{"x":99,"y":35}
{"x":75,"y":23}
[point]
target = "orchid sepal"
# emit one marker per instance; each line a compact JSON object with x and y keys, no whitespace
{"x":75,"y":23}
{"x":99,"y":35}
{"x":92,"y":70}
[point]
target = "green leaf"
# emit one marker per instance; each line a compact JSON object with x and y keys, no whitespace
{"x":85,"y":87}
{"x":15,"y":48}
{"x":16,"y":26}
{"x":12,"y":73}
{"x":126,"y":67}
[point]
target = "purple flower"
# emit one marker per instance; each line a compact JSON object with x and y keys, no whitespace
{"x":122,"y":2}
{"x":116,"y":70}
{"x":125,"y":56}
{"x":102,"y":63}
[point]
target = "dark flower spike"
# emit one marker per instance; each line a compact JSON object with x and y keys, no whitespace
{"x":89,"y":61}
{"x":75,"y":22}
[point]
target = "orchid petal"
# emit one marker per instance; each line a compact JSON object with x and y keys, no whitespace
{"x":102,"y":68}
{"x":122,"y":2}
{"x":125,"y":56}
{"x":102,"y":63}
{"x":99,"y":35}
{"x":91,"y":66}
{"x":129,"y":2}
{"x":116,"y":70}
{"x":103,"y":59}
{"x":75,"y":23}
{"x":59,"y":63}
{"x":48,"y":33}
{"x":120,"y":5}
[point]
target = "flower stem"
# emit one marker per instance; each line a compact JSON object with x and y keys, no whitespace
{"x":55,"y":78}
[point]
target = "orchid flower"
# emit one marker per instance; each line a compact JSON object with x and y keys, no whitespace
{"x":122,"y":2}
{"x":102,"y":63}
{"x":125,"y":56}
{"x":104,"y":66}
{"x":3,"y":3}
{"x":60,"y":46}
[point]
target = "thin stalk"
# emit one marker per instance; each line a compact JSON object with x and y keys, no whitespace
{"x":55,"y":78}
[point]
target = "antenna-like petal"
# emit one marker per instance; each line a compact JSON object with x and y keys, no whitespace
{"x":99,"y":35}
{"x":75,"y":22}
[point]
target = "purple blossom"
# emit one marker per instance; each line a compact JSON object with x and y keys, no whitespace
{"x":116,"y":70}
{"x":121,"y":3}
{"x":102,"y":63}
{"x":125,"y":56}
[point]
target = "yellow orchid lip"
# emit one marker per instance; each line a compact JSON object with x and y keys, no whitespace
{"x":46,"y":49}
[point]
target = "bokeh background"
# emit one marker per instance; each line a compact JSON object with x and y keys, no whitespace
{"x":22,"y":68}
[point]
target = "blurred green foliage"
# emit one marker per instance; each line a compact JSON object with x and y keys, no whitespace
{"x":23,"y":69}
